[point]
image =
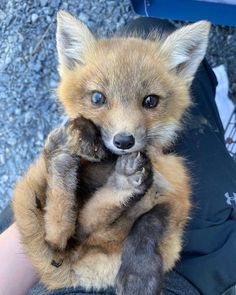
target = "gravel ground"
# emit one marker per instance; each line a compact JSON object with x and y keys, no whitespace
{"x":28,"y":77}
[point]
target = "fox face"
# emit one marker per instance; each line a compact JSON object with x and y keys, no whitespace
{"x":135,"y":90}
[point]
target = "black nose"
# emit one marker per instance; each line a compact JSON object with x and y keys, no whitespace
{"x":123,"y":141}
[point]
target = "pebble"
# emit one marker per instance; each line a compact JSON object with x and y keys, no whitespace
{"x":83,"y":17}
{"x":7,"y":60}
{"x":37,"y":67}
{"x":2,"y":160}
{"x":53,"y":83}
{"x":55,"y":3}
{"x":48,"y":19}
{"x":4,"y":178}
{"x":43,"y":3}
{"x":2,"y":15}
{"x":34,"y":17}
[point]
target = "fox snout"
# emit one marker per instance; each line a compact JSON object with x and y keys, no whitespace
{"x":124,"y":141}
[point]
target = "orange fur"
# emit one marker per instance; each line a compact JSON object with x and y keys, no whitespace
{"x":125,"y":70}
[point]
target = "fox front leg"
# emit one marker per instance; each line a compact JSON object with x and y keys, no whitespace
{"x":131,"y":178}
{"x":63,"y":150}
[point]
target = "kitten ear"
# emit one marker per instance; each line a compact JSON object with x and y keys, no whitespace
{"x":186,"y":48}
{"x":73,"y":39}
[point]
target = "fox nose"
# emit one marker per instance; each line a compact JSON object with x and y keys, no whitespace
{"x":123,"y":141}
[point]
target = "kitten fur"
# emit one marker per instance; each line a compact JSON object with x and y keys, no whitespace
{"x":89,"y":234}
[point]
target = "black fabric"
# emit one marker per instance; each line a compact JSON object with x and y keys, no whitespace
{"x":230,"y":291}
{"x":175,"y":285}
{"x":142,"y":26}
{"x":208,"y":259}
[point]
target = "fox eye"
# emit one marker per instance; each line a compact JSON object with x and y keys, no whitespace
{"x":151,"y":101}
{"x":98,"y":98}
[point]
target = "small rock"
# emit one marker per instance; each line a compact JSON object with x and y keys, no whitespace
{"x":55,"y":3}
{"x":42,"y":56}
{"x":4,"y":78}
{"x":34,"y":17}
{"x":40,"y":136}
{"x":8,"y":20}
{"x":37,"y":66}
{"x":21,"y":37}
{"x":2,"y":159}
{"x":12,"y":141}
{"x":43,"y":3}
{"x":53,"y":83}
{"x":46,"y":11}
{"x":17,"y":112}
{"x":83,"y":17}
{"x":2,"y":15}
{"x":64,"y":6}
{"x":7,"y":60}
{"x":4,"y":178}
{"x":48,"y":19}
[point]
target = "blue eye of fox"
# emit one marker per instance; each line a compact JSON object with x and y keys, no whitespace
{"x":98,"y":98}
{"x":151,"y":101}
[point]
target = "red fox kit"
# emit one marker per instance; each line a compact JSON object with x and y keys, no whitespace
{"x":103,"y":190}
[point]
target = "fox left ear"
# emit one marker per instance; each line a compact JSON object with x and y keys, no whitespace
{"x":186,"y":48}
{"x":73,"y":40}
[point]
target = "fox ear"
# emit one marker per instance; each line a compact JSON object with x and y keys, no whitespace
{"x":73,"y":39}
{"x":186,"y":48}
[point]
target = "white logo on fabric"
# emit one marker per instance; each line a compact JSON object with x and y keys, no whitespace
{"x":230,"y":199}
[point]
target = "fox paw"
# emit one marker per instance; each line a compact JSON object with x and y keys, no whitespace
{"x":56,"y":238}
{"x":79,"y":137}
{"x":55,"y":142}
{"x":84,"y":140}
{"x":136,"y":168}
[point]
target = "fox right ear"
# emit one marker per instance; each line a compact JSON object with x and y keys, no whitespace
{"x":186,"y":48}
{"x":73,"y":40}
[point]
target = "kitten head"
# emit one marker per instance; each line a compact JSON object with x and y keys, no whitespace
{"x":135,"y":90}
